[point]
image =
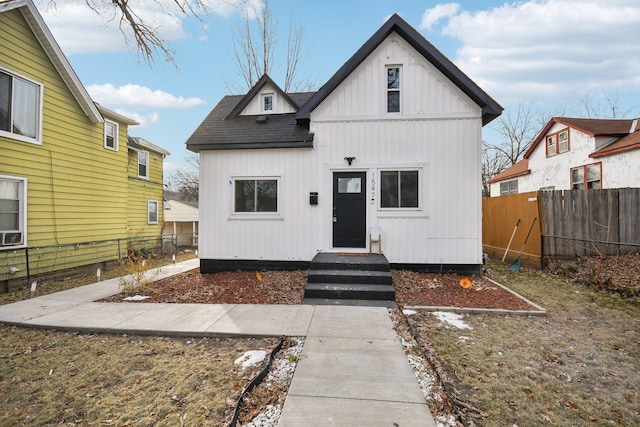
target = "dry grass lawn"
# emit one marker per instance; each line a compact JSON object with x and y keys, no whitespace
{"x":56,"y":378}
{"x":578,"y":366}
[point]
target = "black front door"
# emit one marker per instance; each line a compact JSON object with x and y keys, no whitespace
{"x":349,"y":210}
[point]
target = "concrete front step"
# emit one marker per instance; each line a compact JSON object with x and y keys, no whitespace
{"x":350,"y":291}
{"x":350,"y":277}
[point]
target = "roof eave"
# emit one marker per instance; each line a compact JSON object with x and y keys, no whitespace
{"x":249,"y":146}
{"x":490,"y":108}
{"x":57,"y":57}
{"x":262,"y":82}
{"x":508,"y":177}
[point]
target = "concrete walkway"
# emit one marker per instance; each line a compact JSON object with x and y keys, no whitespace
{"x":352,"y":372}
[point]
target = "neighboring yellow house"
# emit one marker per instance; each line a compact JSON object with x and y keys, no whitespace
{"x":145,"y":189}
{"x":68,"y":171}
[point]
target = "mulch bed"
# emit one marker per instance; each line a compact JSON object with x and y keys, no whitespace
{"x":287,"y":287}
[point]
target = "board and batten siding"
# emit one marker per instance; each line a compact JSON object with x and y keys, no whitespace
{"x":292,"y":235}
{"x":280,"y":105}
{"x":438,"y":132}
{"x":75,"y":185}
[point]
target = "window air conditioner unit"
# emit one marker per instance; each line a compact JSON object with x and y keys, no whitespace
{"x":10,"y":238}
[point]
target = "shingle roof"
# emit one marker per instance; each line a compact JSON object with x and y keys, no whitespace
{"x":592,"y":127}
{"x":222,"y":131}
{"x":490,"y":108}
{"x":518,"y":169}
{"x":629,"y":142}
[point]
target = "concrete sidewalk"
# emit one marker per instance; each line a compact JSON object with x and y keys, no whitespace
{"x":353,"y":370}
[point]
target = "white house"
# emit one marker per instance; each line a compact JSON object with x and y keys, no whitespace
{"x":573,"y":153}
{"x":392,"y":140}
{"x":181,"y":219}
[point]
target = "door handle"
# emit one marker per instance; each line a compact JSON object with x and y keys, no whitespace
{"x":335,"y":219}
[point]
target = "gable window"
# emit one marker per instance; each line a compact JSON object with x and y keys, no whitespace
{"x":399,"y":189}
{"x":563,"y":141}
{"x":585,"y":177}
{"x":12,"y":211}
{"x":393,"y":89}
{"x":267,"y":102}
{"x":509,"y":187}
{"x":111,"y":135}
{"x":20,"y":106}
{"x":558,"y":143}
{"x":152,"y":212}
{"x":143,"y":164}
{"x":256,"y":195}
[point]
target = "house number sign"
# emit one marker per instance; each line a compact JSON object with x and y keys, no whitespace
{"x":373,"y":190}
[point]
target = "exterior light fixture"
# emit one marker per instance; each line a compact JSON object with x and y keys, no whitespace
{"x":349,"y":160}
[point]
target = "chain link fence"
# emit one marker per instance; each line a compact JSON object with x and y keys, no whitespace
{"x":23,"y":265}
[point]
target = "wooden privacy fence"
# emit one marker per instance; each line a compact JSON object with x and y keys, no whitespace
{"x":499,"y":218}
{"x":590,"y":222}
{"x":569,"y":223}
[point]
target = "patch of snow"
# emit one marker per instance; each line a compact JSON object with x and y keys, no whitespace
{"x":445,"y":421}
{"x":251,"y":358}
{"x":408,"y":312}
{"x":462,"y":338}
{"x":136,"y":298}
{"x":452,"y":319}
{"x":279,"y":375}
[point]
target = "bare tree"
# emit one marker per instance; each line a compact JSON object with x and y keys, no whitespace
{"x":606,"y":107}
{"x":147,"y":38}
{"x":185,"y":180}
{"x":254,"y":47}
{"x":517,"y":129}
{"x":493,"y":162}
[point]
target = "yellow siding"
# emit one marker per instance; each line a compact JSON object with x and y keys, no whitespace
{"x":77,"y":189}
{"x":140,"y":192}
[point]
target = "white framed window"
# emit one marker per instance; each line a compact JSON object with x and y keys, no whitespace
{"x":152,"y":212}
{"x":256,"y":195}
{"x":13,"y":211}
{"x":267,"y":102}
{"x":111,"y":135}
{"x":143,"y":164}
{"x":399,"y":189}
{"x":509,"y":187}
{"x":393,"y":88}
{"x":20,"y":108}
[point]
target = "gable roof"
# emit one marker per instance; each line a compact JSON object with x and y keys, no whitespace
{"x":264,"y":80}
{"x":591,"y":127}
{"x":490,"y":108}
{"x":224,"y":130}
{"x":53,"y":51}
{"x":626,"y":129}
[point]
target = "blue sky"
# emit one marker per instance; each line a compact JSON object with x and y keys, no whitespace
{"x":549,"y":54}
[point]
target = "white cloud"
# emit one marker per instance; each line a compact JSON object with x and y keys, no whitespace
{"x":136,"y":96}
{"x":537,"y":50}
{"x":433,"y":15}
{"x":79,"y":29}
